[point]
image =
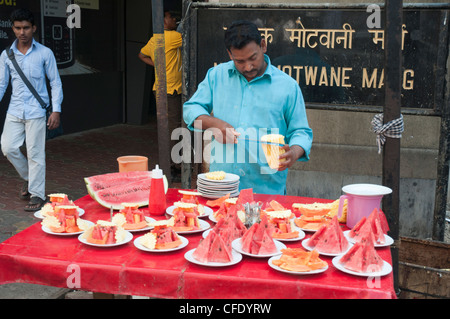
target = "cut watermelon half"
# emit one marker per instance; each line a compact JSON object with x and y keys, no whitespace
{"x":112,"y":189}
{"x":98,"y":182}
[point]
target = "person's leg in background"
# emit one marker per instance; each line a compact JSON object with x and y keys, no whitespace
{"x":35,"y":132}
{"x":174,"y":118}
{"x":12,"y":139}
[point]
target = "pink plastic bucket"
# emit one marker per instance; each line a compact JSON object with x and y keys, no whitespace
{"x":362,"y":199}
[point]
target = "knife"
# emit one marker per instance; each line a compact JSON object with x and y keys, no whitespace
{"x":261,"y":142}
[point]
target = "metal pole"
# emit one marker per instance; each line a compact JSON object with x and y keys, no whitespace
{"x":161,"y":88}
{"x":392,"y":110}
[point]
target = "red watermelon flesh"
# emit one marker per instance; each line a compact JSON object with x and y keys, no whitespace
{"x":267,"y":245}
{"x":245,"y":196}
{"x":316,"y":236}
{"x":370,"y":226}
{"x":329,"y":238}
{"x":355,"y":230}
{"x":362,"y":257}
{"x":246,"y":239}
{"x":213,"y":249}
{"x":135,"y":192}
{"x":383,"y":220}
{"x":230,"y":227}
{"x":202,"y":250}
{"x":257,"y":240}
{"x":219,"y":251}
{"x":98,"y":182}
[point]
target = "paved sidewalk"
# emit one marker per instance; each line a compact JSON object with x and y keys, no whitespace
{"x":69,"y":159}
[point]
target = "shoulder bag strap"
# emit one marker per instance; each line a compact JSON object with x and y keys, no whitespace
{"x":24,"y":78}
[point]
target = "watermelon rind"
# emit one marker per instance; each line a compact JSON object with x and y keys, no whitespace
{"x":99,"y":185}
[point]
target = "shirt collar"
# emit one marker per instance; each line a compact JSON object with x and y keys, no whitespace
{"x":14,"y":46}
{"x":267,"y":73}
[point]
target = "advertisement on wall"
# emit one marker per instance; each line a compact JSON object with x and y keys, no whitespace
{"x":59,"y":27}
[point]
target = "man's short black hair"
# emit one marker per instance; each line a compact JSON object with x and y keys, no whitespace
{"x":22,"y":15}
{"x":240,"y":33}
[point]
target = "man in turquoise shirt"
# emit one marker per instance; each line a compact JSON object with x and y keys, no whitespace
{"x":242,"y":100}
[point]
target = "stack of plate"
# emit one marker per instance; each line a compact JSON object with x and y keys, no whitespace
{"x":218,"y":188}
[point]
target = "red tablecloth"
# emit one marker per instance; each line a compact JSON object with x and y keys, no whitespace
{"x":33,"y":256}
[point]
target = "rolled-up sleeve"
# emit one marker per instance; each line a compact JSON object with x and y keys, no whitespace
{"x":298,"y":130}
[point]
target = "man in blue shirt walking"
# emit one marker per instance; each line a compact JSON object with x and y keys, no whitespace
{"x":26,"y":119}
{"x":242,"y":100}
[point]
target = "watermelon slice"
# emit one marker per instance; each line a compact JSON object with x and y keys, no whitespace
{"x":372,"y":226}
{"x":267,"y":245}
{"x":362,"y":257}
{"x":247,"y":238}
{"x":202,"y":250}
{"x":219,"y":251}
{"x":213,"y":249}
{"x":257,"y":240}
{"x":230,"y":226}
{"x":329,"y":238}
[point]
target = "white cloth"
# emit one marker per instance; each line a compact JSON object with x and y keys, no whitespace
{"x":32,"y":167}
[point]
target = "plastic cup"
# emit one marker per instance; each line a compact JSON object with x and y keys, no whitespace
{"x":132,"y":163}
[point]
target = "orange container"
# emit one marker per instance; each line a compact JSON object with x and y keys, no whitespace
{"x":132,"y":163}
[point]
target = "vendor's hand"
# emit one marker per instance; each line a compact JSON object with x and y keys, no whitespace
{"x":291,"y":155}
{"x":226,"y":134}
{"x":53,"y":120}
{"x":222,"y":131}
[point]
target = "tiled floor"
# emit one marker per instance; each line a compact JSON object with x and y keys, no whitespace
{"x":70,"y":158}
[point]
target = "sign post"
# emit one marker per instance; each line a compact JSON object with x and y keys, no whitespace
{"x":161,"y":88}
{"x":391,"y":110}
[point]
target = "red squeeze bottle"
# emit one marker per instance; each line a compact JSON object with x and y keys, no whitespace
{"x":157,"y":197}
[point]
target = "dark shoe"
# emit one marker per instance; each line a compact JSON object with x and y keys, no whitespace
{"x":34,"y":204}
{"x":24,"y":191}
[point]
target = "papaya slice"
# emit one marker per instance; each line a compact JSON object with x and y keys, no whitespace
{"x":183,"y":228}
{"x":274,"y":205}
{"x":299,"y":260}
{"x":97,"y":241}
{"x":290,"y":235}
{"x":60,"y":229}
{"x":133,"y":226}
{"x":169,"y":245}
{"x":217,"y":202}
{"x":72,"y":229}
